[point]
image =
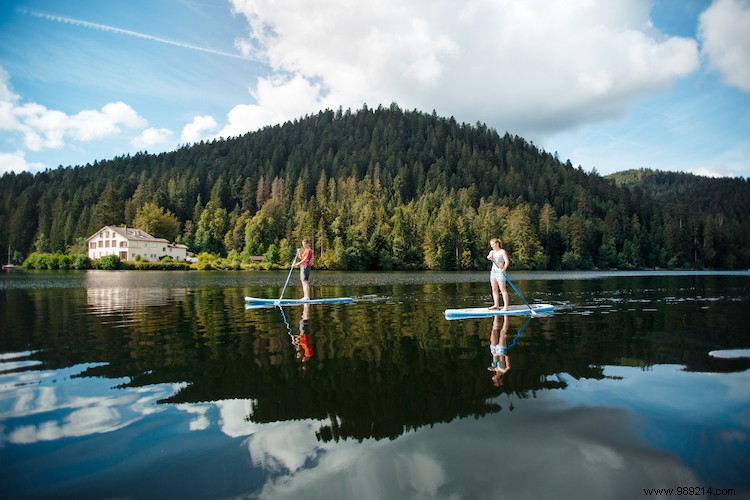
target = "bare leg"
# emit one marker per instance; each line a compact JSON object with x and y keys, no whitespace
{"x":494,"y":341}
{"x":306,"y":290}
{"x":495,"y":295}
{"x":504,"y":291}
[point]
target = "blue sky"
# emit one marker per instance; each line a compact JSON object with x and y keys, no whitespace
{"x":607,"y":84}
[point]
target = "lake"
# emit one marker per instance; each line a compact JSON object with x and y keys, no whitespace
{"x":128,"y":384}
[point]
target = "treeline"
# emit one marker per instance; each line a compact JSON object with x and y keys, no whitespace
{"x":384,"y":189}
{"x":54,"y":261}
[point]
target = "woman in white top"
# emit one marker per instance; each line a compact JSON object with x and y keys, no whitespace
{"x":500,"y":261}
{"x":499,"y":350}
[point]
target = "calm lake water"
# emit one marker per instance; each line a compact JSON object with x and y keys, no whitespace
{"x":163,"y":385}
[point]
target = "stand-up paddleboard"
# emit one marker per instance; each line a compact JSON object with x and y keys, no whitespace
{"x":478,"y":312}
{"x":294,"y":302}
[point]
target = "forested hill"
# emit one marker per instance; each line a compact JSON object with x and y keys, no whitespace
{"x":381,"y":189}
{"x":729,"y":196}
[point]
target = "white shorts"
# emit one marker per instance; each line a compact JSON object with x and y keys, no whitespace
{"x":497,"y":276}
{"x":497,"y":349}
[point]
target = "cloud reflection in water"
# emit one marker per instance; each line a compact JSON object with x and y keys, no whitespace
{"x":535,"y":452}
{"x":72,"y":409}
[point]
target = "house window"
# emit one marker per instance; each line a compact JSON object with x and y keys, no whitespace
{"x":123,"y":244}
{"x":107,"y":234}
{"x":101,"y":243}
{"x":106,"y":243}
{"x":92,"y":244}
{"x":114,"y":243}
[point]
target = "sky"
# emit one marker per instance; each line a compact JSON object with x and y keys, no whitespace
{"x":610,"y":85}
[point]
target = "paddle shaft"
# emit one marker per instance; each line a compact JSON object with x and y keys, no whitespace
{"x":519,"y":332}
{"x":519,"y":293}
{"x":294,"y":260}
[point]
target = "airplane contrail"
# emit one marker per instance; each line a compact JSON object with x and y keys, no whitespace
{"x":120,"y":31}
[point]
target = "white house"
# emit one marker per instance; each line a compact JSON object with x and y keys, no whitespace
{"x":128,"y":243}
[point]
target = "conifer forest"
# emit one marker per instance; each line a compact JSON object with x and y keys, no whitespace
{"x":381,"y":189}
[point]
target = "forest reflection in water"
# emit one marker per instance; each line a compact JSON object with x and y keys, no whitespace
{"x":383,"y":366}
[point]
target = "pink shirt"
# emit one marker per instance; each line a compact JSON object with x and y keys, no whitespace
{"x":306,"y":257}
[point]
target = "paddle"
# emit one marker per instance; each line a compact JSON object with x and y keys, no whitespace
{"x":294,"y":260}
{"x":288,"y":328}
{"x":519,"y":332}
{"x":533,"y":312}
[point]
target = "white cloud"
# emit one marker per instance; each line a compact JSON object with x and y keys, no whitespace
{"x":151,"y":137}
{"x":16,"y":162}
{"x":196,"y":130}
{"x":234,"y":421}
{"x":278,"y":99}
{"x":730,"y":163}
{"x":6,"y":94}
{"x":284,"y":445}
{"x":43,"y":128}
{"x":710,"y":172}
{"x":724,"y":29}
{"x":424,"y":463}
{"x":89,"y":125}
{"x":8,"y":120}
{"x":200,"y":422}
{"x":533,"y":67}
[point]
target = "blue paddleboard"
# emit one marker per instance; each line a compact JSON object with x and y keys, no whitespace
{"x":479,"y":312}
{"x":293,"y":302}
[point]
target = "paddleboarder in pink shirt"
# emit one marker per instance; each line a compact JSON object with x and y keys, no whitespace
{"x":305,"y":259}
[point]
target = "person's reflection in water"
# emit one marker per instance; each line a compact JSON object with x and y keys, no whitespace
{"x":304,"y":347}
{"x":499,"y":350}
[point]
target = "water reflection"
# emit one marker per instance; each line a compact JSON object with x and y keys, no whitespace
{"x":500,"y":361}
{"x":553,"y":455}
{"x":301,"y":341}
{"x":378,"y":371}
{"x":35,"y":407}
{"x":614,"y":386}
{"x":108,"y":300}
